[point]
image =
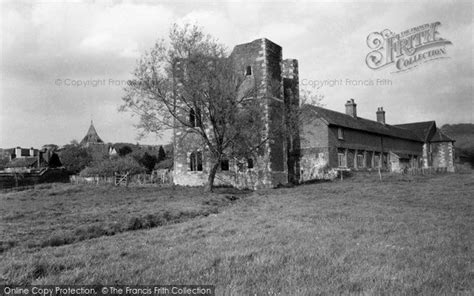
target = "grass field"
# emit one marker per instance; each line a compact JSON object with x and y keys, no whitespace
{"x":405,"y":236}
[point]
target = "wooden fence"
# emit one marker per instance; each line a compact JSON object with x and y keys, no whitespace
{"x":158,"y":177}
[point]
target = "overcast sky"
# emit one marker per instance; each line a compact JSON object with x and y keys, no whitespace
{"x":49,"y":44}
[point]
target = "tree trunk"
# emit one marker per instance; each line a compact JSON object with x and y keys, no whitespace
{"x":211,"y":177}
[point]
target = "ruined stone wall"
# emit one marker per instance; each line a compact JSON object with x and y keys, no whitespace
{"x":270,"y":168}
{"x":255,"y":55}
{"x":290,"y":74}
{"x":314,"y":163}
{"x":315,"y":150}
{"x":184,"y":144}
{"x":450,"y":156}
{"x":276,"y":107}
{"x":247,"y":178}
{"x":249,"y":54}
{"x":253,"y":178}
{"x":265,"y":57}
{"x":425,"y":155}
{"x":442,"y":155}
{"x":438,"y":155}
{"x":291,"y":94}
{"x":438,"y":152}
{"x":314,"y":133}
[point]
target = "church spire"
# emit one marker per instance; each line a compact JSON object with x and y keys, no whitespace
{"x":91,"y":137}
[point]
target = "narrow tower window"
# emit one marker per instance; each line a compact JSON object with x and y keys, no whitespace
{"x":195,"y":161}
{"x":250,"y":163}
{"x":248,"y":71}
{"x":225,"y":164}
{"x":192,"y":117}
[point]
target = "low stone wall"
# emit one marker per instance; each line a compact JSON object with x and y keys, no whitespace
{"x":195,"y":178}
{"x":251,"y":179}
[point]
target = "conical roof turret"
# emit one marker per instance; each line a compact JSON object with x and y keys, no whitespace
{"x":91,"y":137}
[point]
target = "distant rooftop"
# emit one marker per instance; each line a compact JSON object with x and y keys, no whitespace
{"x":91,"y":137}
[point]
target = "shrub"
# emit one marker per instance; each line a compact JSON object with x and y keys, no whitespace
{"x":465,"y":168}
{"x":161,"y":154}
{"x":108,"y":167}
{"x":42,"y":267}
{"x":75,"y":158}
{"x":5,"y":245}
{"x":106,"y":229}
{"x":164,"y":165}
{"x":148,"y":161}
{"x":134,"y":224}
{"x":125,"y":150}
{"x":56,"y":240}
{"x":88,"y":232}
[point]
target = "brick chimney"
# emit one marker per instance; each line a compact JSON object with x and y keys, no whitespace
{"x":17,"y":152}
{"x":351,"y":108}
{"x":380,"y":115}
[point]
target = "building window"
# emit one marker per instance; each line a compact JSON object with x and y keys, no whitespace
{"x":250,"y":163}
{"x":360,"y":160}
{"x":340,"y":134}
{"x":224,"y":164}
{"x":377,"y":161}
{"x":385,"y":160}
{"x":248,"y":71}
{"x":195,"y":161}
{"x":194,"y":117}
{"x":368,"y":160}
{"x":341,"y":160}
{"x":414,"y":161}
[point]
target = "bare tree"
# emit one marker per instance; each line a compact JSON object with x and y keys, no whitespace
{"x":191,"y":85}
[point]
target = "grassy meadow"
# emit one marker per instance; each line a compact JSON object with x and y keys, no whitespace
{"x":405,"y":235}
